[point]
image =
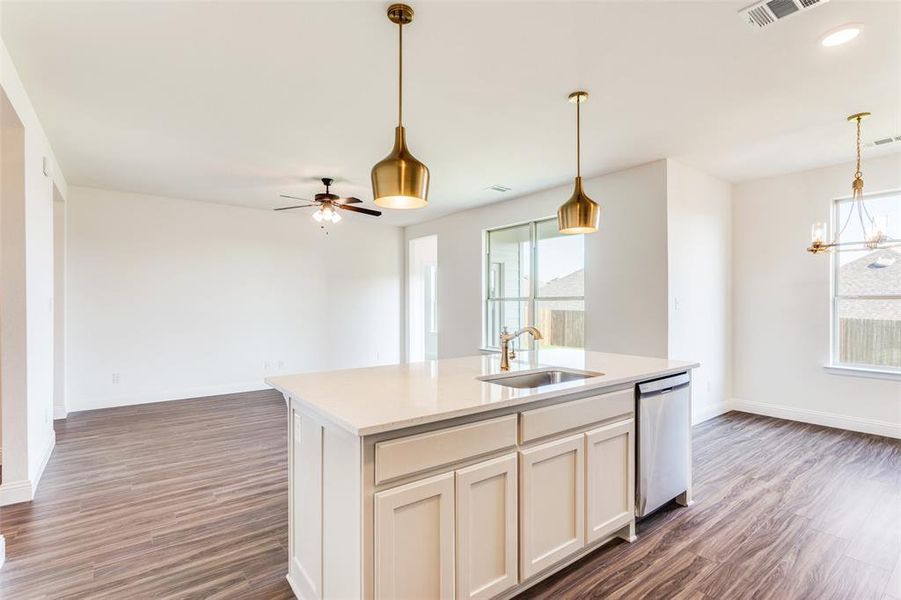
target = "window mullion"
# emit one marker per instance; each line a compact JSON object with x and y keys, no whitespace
{"x":533,"y":279}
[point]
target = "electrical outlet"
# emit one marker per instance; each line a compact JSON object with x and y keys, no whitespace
{"x":116,"y":378}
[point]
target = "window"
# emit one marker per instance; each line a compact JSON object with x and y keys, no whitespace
{"x":866,"y":302}
{"x":535,"y":275}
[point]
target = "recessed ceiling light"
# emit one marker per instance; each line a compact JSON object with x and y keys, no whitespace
{"x":842,"y":35}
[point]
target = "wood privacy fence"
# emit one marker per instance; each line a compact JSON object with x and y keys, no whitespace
{"x":562,"y":327}
{"x":870,"y":342}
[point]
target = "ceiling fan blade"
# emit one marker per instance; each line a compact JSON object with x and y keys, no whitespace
{"x":294,"y":197}
{"x":350,"y":200}
{"x":290,"y":207}
{"x":365,"y":211}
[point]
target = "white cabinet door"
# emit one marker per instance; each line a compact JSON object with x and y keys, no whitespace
{"x":552,"y":503}
{"x":610,"y":478}
{"x":305,"y":518}
{"x":414,"y":540}
{"x":486,"y":528}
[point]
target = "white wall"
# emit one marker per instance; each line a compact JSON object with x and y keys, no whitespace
{"x":23,"y":464}
{"x":625,"y":263}
{"x":699,"y":230}
{"x":183,"y":298}
{"x":59,"y":306}
{"x":781,"y":303}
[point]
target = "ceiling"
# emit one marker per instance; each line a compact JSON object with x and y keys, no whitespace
{"x":237,"y":102}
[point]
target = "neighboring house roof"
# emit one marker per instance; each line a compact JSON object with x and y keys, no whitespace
{"x":568,"y":285}
{"x":876,"y":273}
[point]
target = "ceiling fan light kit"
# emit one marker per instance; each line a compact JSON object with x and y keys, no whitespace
{"x":579,"y":214}
{"x":400,"y":180}
{"x":329,"y":205}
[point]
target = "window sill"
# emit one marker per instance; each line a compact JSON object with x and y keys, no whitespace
{"x":862,"y":372}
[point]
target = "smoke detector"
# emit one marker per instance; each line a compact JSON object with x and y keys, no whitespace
{"x":767,"y":12}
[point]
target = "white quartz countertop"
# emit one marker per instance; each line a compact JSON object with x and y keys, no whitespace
{"x":379,"y":399}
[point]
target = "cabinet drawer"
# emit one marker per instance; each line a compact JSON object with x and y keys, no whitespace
{"x":553,"y":419}
{"x":416,"y":453}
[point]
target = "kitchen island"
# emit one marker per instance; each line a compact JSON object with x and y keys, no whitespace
{"x":454,"y":479}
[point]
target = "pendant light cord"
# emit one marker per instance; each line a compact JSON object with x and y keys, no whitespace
{"x":400,"y":76}
{"x":578,"y":139}
{"x":858,"y":174}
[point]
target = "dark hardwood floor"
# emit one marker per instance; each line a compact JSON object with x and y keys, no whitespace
{"x":185,"y":499}
{"x":782,"y":510}
{"x":189,"y":500}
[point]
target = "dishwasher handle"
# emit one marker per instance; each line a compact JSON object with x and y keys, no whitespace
{"x":663,"y":385}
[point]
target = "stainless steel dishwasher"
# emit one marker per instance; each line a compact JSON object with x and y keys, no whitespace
{"x":664,"y":438}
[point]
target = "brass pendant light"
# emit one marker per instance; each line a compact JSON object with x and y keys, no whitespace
{"x":399,"y":180}
{"x":579,"y":214}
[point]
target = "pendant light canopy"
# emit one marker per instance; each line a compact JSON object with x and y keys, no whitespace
{"x":873,"y":226}
{"x":399,"y":180}
{"x":579,"y":214}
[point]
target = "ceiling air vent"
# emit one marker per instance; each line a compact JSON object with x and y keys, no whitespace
{"x":498,"y":188}
{"x":883,"y":142}
{"x":767,"y":12}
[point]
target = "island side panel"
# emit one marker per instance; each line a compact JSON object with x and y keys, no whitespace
{"x":687,"y":498}
{"x":324,"y":543}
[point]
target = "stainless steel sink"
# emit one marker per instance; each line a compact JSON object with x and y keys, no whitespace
{"x":538,"y":379}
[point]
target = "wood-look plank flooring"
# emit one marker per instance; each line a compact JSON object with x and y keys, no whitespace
{"x":184,"y":499}
{"x":188,"y":499}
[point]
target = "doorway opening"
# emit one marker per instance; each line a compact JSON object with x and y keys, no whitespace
{"x":13,"y":384}
{"x":422,"y":299}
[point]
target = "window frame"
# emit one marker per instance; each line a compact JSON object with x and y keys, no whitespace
{"x":834,"y":364}
{"x":533,"y":298}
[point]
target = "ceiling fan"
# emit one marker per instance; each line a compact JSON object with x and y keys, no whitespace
{"x":329,"y":204}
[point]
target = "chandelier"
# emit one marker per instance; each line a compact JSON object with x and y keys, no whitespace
{"x":873,"y":226}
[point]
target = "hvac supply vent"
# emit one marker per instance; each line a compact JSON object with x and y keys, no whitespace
{"x":883,"y":142}
{"x":498,"y":188}
{"x":767,"y":12}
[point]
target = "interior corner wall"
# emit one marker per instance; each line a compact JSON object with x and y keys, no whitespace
{"x":699,"y":222}
{"x":41,"y":173}
{"x":59,"y":306}
{"x":625,"y":263}
{"x":781,"y":303}
{"x":170,"y":298}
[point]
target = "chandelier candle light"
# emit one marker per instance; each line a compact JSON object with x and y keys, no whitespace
{"x":399,"y":180}
{"x":579,"y":214}
{"x":873,"y":227}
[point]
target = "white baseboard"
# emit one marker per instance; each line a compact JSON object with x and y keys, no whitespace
{"x":816,"y":417}
{"x":708,"y":412}
{"x":59,"y":413}
{"x":13,"y":492}
{"x":45,"y":458}
{"x":2,"y":550}
{"x":167,"y":395}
